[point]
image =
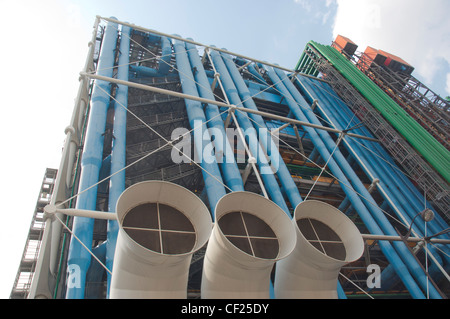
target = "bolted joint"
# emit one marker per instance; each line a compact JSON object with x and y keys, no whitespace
{"x":49,"y":212}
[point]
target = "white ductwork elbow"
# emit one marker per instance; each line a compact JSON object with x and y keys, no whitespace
{"x":250,"y":234}
{"x":326,"y":240}
{"x":161,"y":225}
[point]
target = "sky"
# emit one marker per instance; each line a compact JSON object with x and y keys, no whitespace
{"x":45,"y":46}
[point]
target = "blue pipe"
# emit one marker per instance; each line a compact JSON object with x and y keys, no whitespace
{"x":376,"y":212}
{"x":283,"y":173}
{"x":118,"y":151}
{"x":78,"y":258}
{"x":387,"y":174}
{"x":401,"y":201}
{"x":397,"y":176}
{"x":166,"y":56}
{"x":387,"y":227}
{"x":230,"y":170}
{"x":214,"y":186}
{"x":373,"y":169}
{"x":269,"y":179}
{"x":393,"y":179}
{"x":164,"y":62}
{"x":265,"y":138}
{"x":389,"y":277}
{"x":251,"y":68}
{"x":357,"y":203}
{"x":144,"y":71}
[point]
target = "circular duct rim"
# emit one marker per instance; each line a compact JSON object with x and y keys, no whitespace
{"x":336,"y":229}
{"x":174,"y":197}
{"x":271,"y":220}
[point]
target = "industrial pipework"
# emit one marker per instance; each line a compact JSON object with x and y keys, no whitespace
{"x":79,"y":259}
{"x":155,"y":227}
{"x":399,"y":193}
{"x":251,"y":233}
{"x":326,"y":240}
{"x":118,"y":151}
{"x":371,"y":214}
{"x":161,"y":225}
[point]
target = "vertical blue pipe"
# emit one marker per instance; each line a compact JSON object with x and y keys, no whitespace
{"x":265,"y":138}
{"x":213,"y":184}
{"x":269,"y":179}
{"x":357,"y":203}
{"x":78,"y":258}
{"x":387,"y":173}
{"x":166,"y":56}
{"x":391,"y":179}
{"x":385,"y":180}
{"x":118,"y":151}
{"x":397,"y":176}
{"x":370,"y":203}
{"x":401,"y":200}
{"x":231,"y":174}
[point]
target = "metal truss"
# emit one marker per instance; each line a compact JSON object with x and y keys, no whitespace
{"x":430,"y":182}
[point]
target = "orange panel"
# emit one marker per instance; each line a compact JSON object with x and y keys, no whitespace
{"x":342,"y":43}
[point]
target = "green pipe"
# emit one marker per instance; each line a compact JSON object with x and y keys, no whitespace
{"x":300,"y":61}
{"x":434,"y":152}
{"x":397,"y":111}
{"x":304,"y":62}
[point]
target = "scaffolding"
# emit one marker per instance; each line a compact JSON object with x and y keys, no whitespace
{"x":417,"y":169}
{"x":30,"y":254}
{"x":425,"y":106}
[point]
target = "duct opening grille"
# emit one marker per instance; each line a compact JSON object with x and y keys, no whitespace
{"x":250,"y":234}
{"x":322,"y":237}
{"x":160,"y":228}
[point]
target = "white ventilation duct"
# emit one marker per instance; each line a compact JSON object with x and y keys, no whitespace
{"x":161,"y":225}
{"x":250,"y":234}
{"x":326,"y":240}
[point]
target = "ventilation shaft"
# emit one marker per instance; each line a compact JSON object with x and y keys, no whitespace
{"x":326,"y":240}
{"x":161,"y":225}
{"x":250,"y":234}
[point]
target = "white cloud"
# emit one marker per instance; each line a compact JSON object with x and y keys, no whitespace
{"x":46,"y":49}
{"x":417,"y":31}
{"x":306,"y":4}
{"x":318,"y":10}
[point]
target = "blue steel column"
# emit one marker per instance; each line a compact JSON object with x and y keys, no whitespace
{"x":78,"y":258}
{"x":166,"y":56}
{"x":395,"y":190}
{"x":231,"y":174}
{"x":376,"y":212}
{"x":404,"y":200}
{"x":213,"y":184}
{"x":118,"y":151}
{"x":269,"y":179}
{"x":265,"y":138}
{"x":365,"y":215}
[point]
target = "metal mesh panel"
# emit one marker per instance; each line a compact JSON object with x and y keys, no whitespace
{"x":322,"y":237}
{"x":250,"y":234}
{"x":160,"y":228}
